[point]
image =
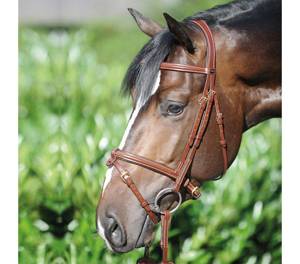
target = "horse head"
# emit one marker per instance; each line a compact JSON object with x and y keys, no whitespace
{"x":166,"y":104}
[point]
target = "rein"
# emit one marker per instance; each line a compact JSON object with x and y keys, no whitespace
{"x":206,"y":101}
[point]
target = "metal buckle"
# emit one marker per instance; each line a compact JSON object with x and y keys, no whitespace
{"x":219,"y":119}
{"x":111,"y":160}
{"x":196,"y":196}
{"x":124,"y":176}
{"x":201,"y":99}
{"x":164,"y":192}
{"x":211,"y":93}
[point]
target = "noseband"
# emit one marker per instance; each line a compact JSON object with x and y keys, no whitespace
{"x":206,"y":101}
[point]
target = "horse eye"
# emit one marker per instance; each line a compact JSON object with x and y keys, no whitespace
{"x":175,"y":109}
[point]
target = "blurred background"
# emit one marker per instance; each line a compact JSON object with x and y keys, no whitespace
{"x":72,"y":58}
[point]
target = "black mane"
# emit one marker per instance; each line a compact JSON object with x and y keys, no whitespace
{"x":143,"y":70}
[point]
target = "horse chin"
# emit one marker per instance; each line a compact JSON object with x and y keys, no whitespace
{"x":146,"y":234}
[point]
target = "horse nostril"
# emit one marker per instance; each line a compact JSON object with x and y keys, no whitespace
{"x":115,"y":233}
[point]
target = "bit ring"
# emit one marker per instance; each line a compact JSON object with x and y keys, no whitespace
{"x":164,"y":192}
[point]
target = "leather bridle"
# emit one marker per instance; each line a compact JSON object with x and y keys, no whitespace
{"x":206,"y":101}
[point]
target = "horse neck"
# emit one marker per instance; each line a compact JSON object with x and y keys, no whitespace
{"x":248,"y":86}
{"x":249,"y":68}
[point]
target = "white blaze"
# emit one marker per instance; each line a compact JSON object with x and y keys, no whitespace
{"x":128,"y":128}
{"x":100,"y":231}
{"x":108,"y":175}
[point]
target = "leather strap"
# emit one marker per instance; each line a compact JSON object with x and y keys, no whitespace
{"x":185,"y":68}
{"x":118,"y":154}
{"x":165,"y":225}
{"x":131,"y":185}
{"x":187,"y":160}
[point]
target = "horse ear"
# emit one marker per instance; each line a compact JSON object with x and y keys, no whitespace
{"x":147,"y":25}
{"x":180,"y":32}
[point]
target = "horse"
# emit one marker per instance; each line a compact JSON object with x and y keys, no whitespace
{"x":246,"y":88}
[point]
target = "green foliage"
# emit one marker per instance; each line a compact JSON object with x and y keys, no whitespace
{"x":67,"y":125}
{"x":71,"y":114}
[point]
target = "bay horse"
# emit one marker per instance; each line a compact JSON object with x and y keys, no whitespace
{"x":246,"y":85}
